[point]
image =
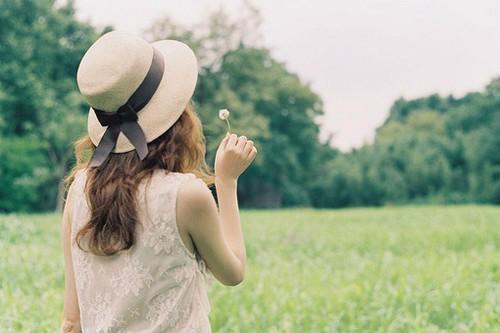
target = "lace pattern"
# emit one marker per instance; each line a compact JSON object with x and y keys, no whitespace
{"x":82,"y":268}
{"x":160,"y":235}
{"x":165,"y":306}
{"x":131,"y":278}
{"x":98,"y":308}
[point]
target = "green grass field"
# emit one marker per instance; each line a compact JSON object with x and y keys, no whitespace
{"x":397,"y":269}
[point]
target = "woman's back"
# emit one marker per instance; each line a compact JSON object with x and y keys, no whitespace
{"x":158,"y":285}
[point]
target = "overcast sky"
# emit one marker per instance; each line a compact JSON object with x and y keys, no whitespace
{"x":359,"y":56}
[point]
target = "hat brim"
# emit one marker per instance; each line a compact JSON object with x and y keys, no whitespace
{"x":168,"y":102}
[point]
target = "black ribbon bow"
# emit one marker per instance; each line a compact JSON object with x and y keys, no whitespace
{"x":125,"y":118}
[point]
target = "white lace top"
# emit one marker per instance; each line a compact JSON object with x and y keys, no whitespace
{"x":157,"y":285}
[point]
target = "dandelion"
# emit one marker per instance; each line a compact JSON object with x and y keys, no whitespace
{"x":224,"y":115}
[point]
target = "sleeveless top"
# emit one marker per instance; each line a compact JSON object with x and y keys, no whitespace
{"x":158,"y":285}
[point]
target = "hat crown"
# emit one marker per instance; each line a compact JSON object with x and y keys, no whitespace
{"x":112,"y":69}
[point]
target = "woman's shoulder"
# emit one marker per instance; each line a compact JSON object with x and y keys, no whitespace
{"x":194,"y":193}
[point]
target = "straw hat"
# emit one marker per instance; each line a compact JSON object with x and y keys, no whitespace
{"x":128,"y":82}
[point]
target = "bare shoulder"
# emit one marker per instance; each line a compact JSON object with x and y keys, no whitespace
{"x":194,"y":201}
{"x":195,"y":195}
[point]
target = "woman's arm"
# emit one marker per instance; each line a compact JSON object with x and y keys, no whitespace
{"x":217,"y":234}
{"x":230,"y":216}
{"x":233,"y":157}
{"x":71,"y":312}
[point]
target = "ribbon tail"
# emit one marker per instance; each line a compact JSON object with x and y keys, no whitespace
{"x":105,"y":146}
{"x":135,"y":135}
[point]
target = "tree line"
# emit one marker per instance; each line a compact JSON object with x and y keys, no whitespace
{"x":431,"y":149}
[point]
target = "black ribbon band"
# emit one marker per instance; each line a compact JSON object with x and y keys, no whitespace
{"x":125,"y":118}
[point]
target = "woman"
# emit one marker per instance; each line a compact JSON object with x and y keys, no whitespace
{"x":142,"y":233}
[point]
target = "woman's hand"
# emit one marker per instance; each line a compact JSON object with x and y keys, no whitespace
{"x":233,"y":157}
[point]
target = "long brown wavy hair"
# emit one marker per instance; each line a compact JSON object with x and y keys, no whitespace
{"x":110,"y":188}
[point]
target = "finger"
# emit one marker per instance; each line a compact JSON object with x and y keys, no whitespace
{"x":253,"y":153}
{"x":224,"y":141}
{"x":240,"y":145}
{"x":222,"y":144}
{"x":248,"y":148}
{"x":232,"y":140}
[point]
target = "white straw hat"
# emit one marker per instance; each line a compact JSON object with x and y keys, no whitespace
{"x":119,"y":69}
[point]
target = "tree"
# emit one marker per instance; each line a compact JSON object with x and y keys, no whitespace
{"x":40,"y":48}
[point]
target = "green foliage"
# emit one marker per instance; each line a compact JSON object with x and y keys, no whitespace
{"x":40,"y":47}
{"x":23,"y":169}
{"x":406,"y":269}
{"x":430,"y":149}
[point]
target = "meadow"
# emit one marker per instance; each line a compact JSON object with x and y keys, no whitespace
{"x":391,"y":269}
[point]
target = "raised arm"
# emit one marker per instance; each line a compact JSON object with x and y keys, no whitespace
{"x":217,"y":234}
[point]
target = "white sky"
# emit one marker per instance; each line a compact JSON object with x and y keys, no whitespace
{"x":359,"y":56}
